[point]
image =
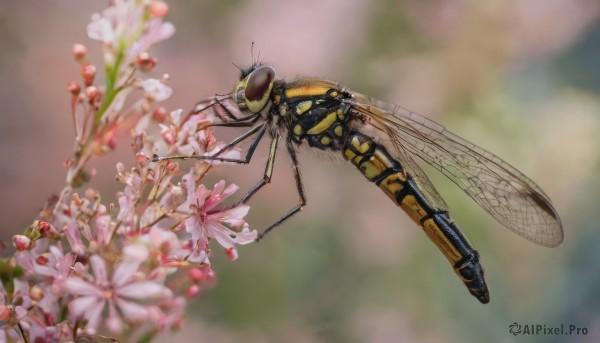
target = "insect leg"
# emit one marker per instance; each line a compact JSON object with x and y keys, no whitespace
{"x":243,"y":122}
{"x":234,"y":118}
{"x":261,"y":131}
{"x":218,"y":102}
{"x":215,"y":101}
{"x":299,"y":187}
{"x":266,"y":176}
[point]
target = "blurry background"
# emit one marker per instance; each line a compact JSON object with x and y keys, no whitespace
{"x":520,"y":78}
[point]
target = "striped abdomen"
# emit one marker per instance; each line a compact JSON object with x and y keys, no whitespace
{"x":377,"y":165}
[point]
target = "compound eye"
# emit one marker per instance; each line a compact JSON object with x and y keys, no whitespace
{"x":259,"y":82}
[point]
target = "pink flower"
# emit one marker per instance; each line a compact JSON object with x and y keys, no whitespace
{"x":123,"y":291}
{"x":127,"y":27}
{"x":101,"y":29}
{"x":205,"y":222}
{"x":155,"y":31}
{"x":53,"y":265}
{"x":156,"y":90}
{"x":166,"y":245}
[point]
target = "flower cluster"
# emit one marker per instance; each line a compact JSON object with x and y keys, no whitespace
{"x":125,"y":268}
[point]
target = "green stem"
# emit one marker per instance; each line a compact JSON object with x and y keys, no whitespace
{"x":112,"y":73}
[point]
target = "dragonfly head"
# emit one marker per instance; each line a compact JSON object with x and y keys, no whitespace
{"x":253,"y":91}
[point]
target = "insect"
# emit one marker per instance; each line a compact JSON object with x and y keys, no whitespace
{"x":382,"y":141}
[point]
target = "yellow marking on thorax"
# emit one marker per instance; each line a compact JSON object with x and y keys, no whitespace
{"x":297,"y":130}
{"x":303,"y":107}
{"x":339,"y":131}
{"x":306,"y":90}
{"x":323,"y":124}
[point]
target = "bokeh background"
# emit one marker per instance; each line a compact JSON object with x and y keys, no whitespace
{"x":520,"y":78}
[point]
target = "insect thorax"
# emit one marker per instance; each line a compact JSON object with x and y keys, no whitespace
{"x":313,"y":111}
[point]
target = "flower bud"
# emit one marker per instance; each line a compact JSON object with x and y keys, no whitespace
{"x":232,"y":253}
{"x":210,"y":275}
{"x":110,"y":138}
{"x":159,"y":9}
{"x":192,"y":291}
{"x":172,"y":166}
{"x":169,"y":134}
{"x":88,"y":73}
{"x":74,"y":88}
{"x":160,"y":114}
{"x":36,"y":293}
{"x":146,"y":62}
{"x":79,"y":51}
{"x":91,"y":92}
{"x":196,"y":274}
{"x":44,"y":227}
{"x":4,"y":313}
{"x":21,"y":242}
{"x":141,"y":159}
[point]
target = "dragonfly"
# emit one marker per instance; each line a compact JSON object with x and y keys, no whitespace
{"x":385,"y":142}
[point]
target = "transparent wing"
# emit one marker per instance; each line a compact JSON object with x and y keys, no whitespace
{"x":408,"y":163}
{"x":512,"y":198}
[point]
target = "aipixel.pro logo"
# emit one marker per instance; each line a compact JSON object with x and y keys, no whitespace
{"x":546,"y":330}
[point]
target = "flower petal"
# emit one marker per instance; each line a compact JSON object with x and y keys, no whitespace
{"x":189,"y":183}
{"x":101,"y":29}
{"x":81,"y":305}
{"x":143,"y":290}
{"x":199,"y":256}
{"x":156,"y":89}
{"x":246,"y":237}
{"x":114,"y":322}
{"x":155,"y":31}
{"x":64,"y":265}
{"x":131,"y":311}
{"x":124,"y":272}
{"x":219,"y":232}
{"x":74,"y":238}
{"x":104,"y":229}
{"x":194,"y":227}
{"x":99,"y":269}
{"x":135,"y":252}
{"x":78,"y":286}
{"x":93,"y":315}
{"x":238,"y":212}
